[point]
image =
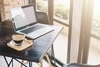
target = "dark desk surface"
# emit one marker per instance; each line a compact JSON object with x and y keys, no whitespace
{"x":34,"y":53}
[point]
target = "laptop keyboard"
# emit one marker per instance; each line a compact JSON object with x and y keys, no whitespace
{"x":31,"y":29}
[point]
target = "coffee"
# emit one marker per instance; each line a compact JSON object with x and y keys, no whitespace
{"x":18,"y":38}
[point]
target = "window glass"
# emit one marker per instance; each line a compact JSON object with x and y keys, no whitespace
{"x":96,"y":19}
{"x":42,"y":5}
{"x":61,"y":9}
{"x":94,"y":48}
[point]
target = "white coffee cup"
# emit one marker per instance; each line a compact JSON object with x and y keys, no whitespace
{"x":18,"y":38}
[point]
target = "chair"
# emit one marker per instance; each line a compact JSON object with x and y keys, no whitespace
{"x":80,"y":65}
{"x":42,"y":18}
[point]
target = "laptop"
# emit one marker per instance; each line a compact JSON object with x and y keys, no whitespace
{"x":24,"y":22}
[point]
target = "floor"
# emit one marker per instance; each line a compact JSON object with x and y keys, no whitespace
{"x":16,"y":64}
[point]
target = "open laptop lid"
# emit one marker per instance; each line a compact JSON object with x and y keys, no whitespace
{"x":29,"y":13}
{"x":23,"y":16}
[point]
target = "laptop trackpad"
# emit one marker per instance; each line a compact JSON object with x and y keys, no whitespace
{"x":39,"y":33}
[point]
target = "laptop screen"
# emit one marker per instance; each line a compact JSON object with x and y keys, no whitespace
{"x":22,"y":16}
{"x":29,"y":13}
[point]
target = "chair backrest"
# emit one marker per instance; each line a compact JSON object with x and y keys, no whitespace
{"x":42,"y":17}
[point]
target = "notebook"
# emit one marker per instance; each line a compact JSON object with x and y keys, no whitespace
{"x":24,"y":22}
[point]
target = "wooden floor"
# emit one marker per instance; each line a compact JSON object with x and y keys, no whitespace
{"x":16,"y":64}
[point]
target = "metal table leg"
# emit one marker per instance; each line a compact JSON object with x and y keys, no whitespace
{"x":8,"y":64}
{"x":11,"y":61}
{"x":20,"y":62}
{"x":53,"y":56}
{"x":30,"y":64}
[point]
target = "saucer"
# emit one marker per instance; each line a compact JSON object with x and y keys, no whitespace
{"x":24,"y":45}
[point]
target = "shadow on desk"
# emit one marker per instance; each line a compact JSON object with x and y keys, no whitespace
{"x":6,"y":31}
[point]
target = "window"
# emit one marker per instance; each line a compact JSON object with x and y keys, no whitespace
{"x":42,"y":5}
{"x":61,"y":10}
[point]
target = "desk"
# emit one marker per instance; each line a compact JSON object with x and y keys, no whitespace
{"x":34,"y":53}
